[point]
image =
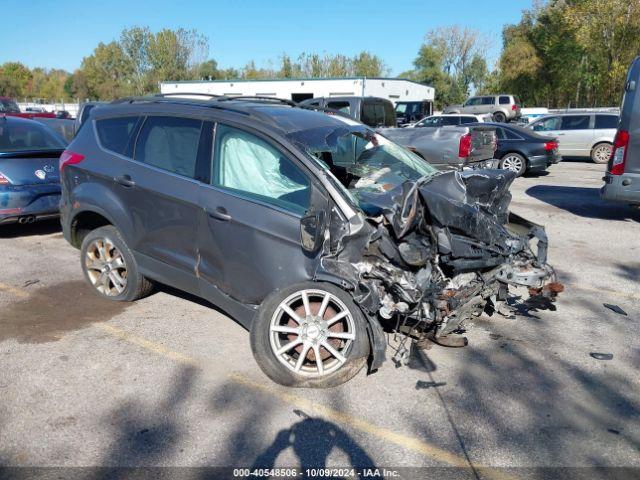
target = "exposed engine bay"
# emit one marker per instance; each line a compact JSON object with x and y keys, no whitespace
{"x":437,"y":250}
{"x":442,"y":251}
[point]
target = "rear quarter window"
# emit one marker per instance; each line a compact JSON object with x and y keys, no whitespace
{"x":606,"y":121}
{"x":115,"y":133}
{"x":505,"y":100}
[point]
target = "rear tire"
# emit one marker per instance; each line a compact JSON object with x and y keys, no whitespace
{"x":499,"y":117}
{"x":342,"y":347}
{"x":514,"y":162}
{"x":110,"y":268}
{"x":601,"y":152}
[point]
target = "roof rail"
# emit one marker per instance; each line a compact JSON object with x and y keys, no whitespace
{"x":284,"y":101}
{"x":194,"y":94}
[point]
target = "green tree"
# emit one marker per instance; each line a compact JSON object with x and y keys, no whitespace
{"x":14,"y":79}
{"x":108,"y":73}
{"x":367,"y":65}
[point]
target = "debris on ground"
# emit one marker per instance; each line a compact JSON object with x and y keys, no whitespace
{"x":601,"y":356}
{"x":614,"y":308}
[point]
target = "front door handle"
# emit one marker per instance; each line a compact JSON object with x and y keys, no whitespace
{"x":125,"y":181}
{"x":220,"y":213}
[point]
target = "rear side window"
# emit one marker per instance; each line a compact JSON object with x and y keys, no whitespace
{"x":170,"y":143}
{"x":606,"y":121}
{"x":389,"y":115}
{"x":115,"y":133}
{"x":340,"y":106}
{"x":247,"y":164}
{"x":510,"y":135}
{"x":575,"y":122}
{"x":468,"y":119}
{"x":504,"y":100}
{"x":488,"y":100}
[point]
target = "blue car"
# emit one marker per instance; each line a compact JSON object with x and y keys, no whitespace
{"x":29,"y":175}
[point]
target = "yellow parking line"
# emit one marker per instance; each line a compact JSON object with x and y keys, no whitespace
{"x":13,"y":290}
{"x":404,"y":441}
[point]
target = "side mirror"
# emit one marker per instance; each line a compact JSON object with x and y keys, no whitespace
{"x":312,"y":227}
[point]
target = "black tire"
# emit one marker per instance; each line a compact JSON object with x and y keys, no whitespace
{"x":280,"y":368}
{"x":508,"y":162}
{"x":598,"y":150}
{"x":137,"y":286}
{"x":499,"y":117}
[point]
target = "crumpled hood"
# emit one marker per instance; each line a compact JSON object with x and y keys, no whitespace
{"x":474,"y":202}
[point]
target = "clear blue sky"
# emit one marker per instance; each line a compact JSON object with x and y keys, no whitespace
{"x":60,"y":33}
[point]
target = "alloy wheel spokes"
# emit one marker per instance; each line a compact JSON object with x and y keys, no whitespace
{"x":106,"y":267}
{"x":311,"y":332}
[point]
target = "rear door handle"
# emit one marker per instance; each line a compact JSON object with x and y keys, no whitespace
{"x":220,"y":213}
{"x":125,"y":181}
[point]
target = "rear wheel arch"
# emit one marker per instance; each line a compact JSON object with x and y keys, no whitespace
{"x":85,"y":222}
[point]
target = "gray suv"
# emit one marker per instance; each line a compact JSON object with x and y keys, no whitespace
{"x":622,"y":180}
{"x":503,"y":108}
{"x":313,"y":231}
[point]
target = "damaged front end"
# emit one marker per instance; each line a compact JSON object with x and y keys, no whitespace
{"x":436,"y":252}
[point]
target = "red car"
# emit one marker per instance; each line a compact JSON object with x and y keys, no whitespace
{"x":9,"y":107}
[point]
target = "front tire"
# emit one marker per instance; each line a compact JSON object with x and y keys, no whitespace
{"x":110,"y":268}
{"x":601,"y":152}
{"x":514,"y":162}
{"x":310,"y":335}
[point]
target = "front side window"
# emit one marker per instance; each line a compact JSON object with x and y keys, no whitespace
{"x":575,"y":122}
{"x":430,"y":122}
{"x":606,"y":121}
{"x":170,"y":143}
{"x":115,"y":133}
{"x":468,"y":120}
{"x":247,"y":164}
{"x":473,"y":101}
{"x":547,"y":124}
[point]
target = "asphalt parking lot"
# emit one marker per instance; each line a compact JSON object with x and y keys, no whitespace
{"x":170,"y":381}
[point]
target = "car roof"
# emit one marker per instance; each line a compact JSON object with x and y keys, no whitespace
{"x":16,"y":120}
{"x":564,"y":114}
{"x":278,"y":115}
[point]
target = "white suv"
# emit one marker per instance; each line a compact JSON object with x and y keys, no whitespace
{"x":503,"y":108}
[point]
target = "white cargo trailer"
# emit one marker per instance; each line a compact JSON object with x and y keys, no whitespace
{"x":394,"y":89}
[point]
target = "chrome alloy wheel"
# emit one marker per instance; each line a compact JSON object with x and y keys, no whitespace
{"x":602,"y":153}
{"x":106,"y":267}
{"x":311,"y":331}
{"x":513,"y":163}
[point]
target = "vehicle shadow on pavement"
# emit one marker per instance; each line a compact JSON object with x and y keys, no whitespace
{"x":550,"y":408}
{"x":148,"y":436}
{"x":45,"y":227}
{"x":309,"y":443}
{"x":583,"y":201}
{"x":312,"y":441}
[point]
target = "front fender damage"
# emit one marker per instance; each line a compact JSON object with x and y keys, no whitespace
{"x":435,"y":253}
